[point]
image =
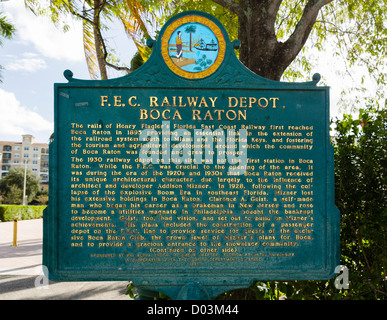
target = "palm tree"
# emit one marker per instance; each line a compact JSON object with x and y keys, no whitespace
{"x":190,"y":29}
{"x":95,"y":15}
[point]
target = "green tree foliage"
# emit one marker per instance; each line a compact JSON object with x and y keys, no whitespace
{"x":41,"y":198}
{"x":136,"y":62}
{"x":282,"y":38}
{"x":11,"y":186}
{"x":277,"y":36}
{"x":361,"y":196}
{"x":97,"y":17}
{"x":13,"y":195}
{"x":227,"y":19}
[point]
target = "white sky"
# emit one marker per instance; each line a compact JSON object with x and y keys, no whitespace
{"x":33,"y":61}
{"x":39,"y":53}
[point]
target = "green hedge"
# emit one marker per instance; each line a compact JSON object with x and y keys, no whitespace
{"x":8,"y":212}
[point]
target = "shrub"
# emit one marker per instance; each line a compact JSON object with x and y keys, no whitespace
{"x":8,"y":212}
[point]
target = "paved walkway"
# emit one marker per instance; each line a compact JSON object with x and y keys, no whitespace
{"x":21,"y":273}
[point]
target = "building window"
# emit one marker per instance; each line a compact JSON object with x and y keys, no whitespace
{"x":26,"y":148}
{"x":36,"y":149}
{"x":25,"y":155}
{"x":7,"y":148}
{"x":17,"y":148}
{"x":16,"y":161}
{"x":16,"y":155}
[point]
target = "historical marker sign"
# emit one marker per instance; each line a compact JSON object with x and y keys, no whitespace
{"x":191,"y":173}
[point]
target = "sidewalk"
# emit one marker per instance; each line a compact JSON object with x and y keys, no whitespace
{"x":21,"y":274}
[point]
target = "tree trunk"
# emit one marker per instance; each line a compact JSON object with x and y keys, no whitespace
{"x":98,"y":39}
{"x":260,"y":50}
{"x":262,"y":53}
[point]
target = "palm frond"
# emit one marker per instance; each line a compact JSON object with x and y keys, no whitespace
{"x":133,"y":17}
{"x":90,"y":51}
{"x":6,"y":29}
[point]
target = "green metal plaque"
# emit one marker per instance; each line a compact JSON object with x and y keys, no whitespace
{"x":191,"y":174}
